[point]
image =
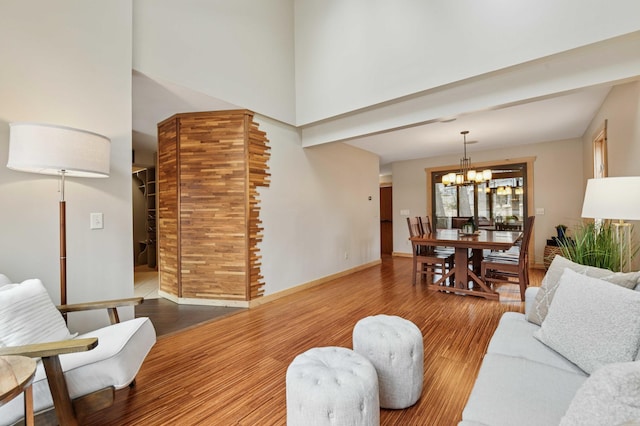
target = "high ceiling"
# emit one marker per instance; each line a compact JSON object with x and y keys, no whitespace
{"x":553,"y":118}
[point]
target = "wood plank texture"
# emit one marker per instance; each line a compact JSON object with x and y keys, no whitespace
{"x":209,"y":228}
{"x":232,"y":371}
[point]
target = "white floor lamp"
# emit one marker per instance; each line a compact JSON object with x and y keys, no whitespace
{"x":615,"y":198}
{"x":61,"y":151}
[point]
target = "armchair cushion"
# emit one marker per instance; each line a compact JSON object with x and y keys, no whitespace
{"x":114,"y":362}
{"x":27,"y":315}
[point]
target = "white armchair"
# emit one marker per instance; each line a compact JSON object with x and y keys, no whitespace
{"x":75,"y":374}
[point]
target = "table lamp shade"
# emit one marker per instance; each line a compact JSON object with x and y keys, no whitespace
{"x":49,"y":149}
{"x":612,"y":198}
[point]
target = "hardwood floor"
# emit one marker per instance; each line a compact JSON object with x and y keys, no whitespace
{"x":232,"y":371}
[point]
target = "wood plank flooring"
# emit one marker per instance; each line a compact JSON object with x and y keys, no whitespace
{"x":232,"y":371}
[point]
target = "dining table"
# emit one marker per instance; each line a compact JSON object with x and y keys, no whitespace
{"x":461,"y":242}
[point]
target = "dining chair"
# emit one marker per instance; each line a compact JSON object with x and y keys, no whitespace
{"x":426,"y":228}
{"x":512,"y":266}
{"x":458,"y":222}
{"x":427,"y":262}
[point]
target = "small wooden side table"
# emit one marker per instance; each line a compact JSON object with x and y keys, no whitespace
{"x":16,"y":375}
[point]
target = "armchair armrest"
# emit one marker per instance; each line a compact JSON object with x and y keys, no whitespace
{"x":49,"y":353}
{"x":42,"y":350}
{"x":109,"y":305}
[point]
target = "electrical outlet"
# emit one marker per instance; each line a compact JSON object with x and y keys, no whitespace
{"x":346,"y":255}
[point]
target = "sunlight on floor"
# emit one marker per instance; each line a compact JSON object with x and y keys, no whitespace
{"x":145,"y":282}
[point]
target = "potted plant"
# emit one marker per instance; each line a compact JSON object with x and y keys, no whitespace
{"x":594,"y":246}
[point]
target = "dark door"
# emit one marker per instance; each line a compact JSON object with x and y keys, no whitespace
{"x":386,"y":220}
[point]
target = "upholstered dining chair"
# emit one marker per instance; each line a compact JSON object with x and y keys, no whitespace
{"x":510,"y":267}
{"x":427,"y":262}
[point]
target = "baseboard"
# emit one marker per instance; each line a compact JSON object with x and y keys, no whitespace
{"x":204,"y":302}
{"x":274,"y":296}
{"x":400,"y":254}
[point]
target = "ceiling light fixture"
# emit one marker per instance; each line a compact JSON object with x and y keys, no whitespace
{"x":467,"y":175}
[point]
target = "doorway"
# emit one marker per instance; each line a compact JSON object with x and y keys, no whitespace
{"x":386,"y":220}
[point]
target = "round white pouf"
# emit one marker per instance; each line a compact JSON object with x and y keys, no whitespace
{"x":332,"y":386}
{"x":394,"y":346}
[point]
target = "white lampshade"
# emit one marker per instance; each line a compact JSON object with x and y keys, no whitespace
{"x":49,"y":149}
{"x":612,"y":198}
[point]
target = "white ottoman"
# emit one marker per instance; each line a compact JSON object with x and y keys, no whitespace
{"x":395,"y":348}
{"x":332,"y":386}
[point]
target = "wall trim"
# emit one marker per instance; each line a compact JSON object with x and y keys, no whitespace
{"x":274,"y":296}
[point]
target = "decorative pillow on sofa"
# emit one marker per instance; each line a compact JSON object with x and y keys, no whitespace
{"x":550,"y":283}
{"x":592,"y":322}
{"x":611,"y":396}
{"x":27,"y":315}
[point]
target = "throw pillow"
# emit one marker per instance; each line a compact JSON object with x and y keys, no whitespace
{"x":27,"y":315}
{"x":592,"y":322}
{"x":611,"y":396}
{"x":550,"y":283}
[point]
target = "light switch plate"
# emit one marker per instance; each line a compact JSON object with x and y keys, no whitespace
{"x":540,"y":210}
{"x":405,"y":212}
{"x":96,"y":221}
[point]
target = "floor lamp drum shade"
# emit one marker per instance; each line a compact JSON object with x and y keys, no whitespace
{"x":612,"y":198}
{"x":61,"y":151}
{"x":52,"y":150}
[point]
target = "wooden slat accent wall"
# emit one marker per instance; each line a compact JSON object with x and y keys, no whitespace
{"x":222,"y":159}
{"x":167,"y":214}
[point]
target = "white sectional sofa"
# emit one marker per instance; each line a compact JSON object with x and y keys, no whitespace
{"x":587,"y":371}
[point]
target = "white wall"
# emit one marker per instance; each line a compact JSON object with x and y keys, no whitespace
{"x":356,"y":53}
{"x":317,"y":209}
{"x":557,"y":184}
{"x":621,"y":109}
{"x":239,"y":51}
{"x":68,"y":62}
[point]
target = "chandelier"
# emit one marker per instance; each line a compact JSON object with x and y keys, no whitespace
{"x":467,"y":175}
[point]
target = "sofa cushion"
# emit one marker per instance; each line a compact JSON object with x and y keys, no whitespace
{"x":611,"y":396}
{"x":592,"y":322}
{"x":514,"y":337}
{"x":114,"y":362}
{"x":27,"y":315}
{"x":516,"y":391}
{"x":4,"y":280}
{"x":551,"y":280}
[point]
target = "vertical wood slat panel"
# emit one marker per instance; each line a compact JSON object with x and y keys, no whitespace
{"x":167,"y":215}
{"x":222,"y":160}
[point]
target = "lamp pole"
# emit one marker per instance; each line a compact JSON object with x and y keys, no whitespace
{"x":63,"y":242}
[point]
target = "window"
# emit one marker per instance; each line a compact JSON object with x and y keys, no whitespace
{"x":600,"y":153}
{"x":503,"y":199}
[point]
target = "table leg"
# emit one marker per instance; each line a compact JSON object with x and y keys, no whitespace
{"x":462,"y":268}
{"x":28,"y":406}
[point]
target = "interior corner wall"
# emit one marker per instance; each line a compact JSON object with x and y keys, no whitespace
{"x":621,"y":109}
{"x":354,"y":54}
{"x":68,"y":62}
{"x":238,"y":51}
{"x":557,"y":179}
{"x":321,"y":212}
